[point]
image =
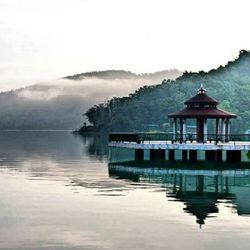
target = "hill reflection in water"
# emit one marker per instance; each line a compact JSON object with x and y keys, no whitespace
{"x":199,"y":190}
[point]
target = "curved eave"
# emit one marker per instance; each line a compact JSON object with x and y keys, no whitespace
{"x":202,"y":113}
{"x":201,"y":103}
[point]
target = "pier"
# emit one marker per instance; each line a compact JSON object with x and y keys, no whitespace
{"x":231,"y":151}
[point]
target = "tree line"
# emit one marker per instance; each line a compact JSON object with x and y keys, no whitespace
{"x":149,"y":106}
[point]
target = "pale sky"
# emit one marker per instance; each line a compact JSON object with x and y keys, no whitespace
{"x":46,"y":39}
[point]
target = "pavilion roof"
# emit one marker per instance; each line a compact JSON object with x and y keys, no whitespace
{"x":202,"y":113}
{"x":202,"y":106}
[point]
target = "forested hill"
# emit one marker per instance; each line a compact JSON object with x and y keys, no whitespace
{"x":150,"y":105}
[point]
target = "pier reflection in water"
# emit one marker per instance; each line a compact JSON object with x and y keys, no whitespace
{"x":199,"y":190}
{"x":200,"y":187}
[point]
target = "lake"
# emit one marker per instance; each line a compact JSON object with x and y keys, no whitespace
{"x":59,"y":191}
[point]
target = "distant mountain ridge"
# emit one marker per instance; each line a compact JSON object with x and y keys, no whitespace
{"x":60,"y":103}
{"x":122,"y":74}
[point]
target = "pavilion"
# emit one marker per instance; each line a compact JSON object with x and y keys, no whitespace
{"x":202,"y":107}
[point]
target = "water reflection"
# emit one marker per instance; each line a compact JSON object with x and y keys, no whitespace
{"x":18,"y":146}
{"x":96,"y":145}
{"x":76,"y":161}
{"x":58,"y":191}
{"x":81,"y":162}
{"x":201,"y":191}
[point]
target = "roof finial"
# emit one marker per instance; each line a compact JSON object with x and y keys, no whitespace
{"x":202,"y":90}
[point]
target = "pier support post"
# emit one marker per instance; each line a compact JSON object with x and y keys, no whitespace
{"x":171,"y":155}
{"x":184,"y":155}
{"x":152,"y":155}
{"x":157,"y":154}
{"x":139,"y":154}
{"x":210,"y":155}
{"x":160,"y":154}
{"x":219,"y":155}
{"x":233,"y":156}
{"x":193,"y":155}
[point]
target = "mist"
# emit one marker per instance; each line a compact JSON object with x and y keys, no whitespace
{"x":60,"y":103}
{"x":93,"y":89}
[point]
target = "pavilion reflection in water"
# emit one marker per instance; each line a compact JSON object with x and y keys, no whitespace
{"x":200,"y":190}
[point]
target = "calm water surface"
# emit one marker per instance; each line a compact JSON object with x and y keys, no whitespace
{"x":58,"y":191}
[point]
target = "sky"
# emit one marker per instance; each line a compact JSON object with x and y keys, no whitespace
{"x":48,"y":39}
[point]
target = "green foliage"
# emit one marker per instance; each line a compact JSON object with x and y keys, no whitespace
{"x":152,"y":104}
{"x":225,"y":105}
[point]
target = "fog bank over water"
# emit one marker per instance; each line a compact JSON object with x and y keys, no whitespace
{"x":94,"y":90}
{"x":60,"y":103}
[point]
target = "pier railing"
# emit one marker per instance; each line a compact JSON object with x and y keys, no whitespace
{"x":190,"y":137}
